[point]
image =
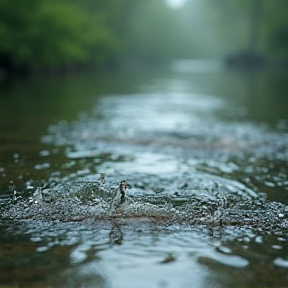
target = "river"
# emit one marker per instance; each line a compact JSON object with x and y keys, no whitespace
{"x":203,"y":151}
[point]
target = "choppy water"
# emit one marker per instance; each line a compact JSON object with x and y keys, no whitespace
{"x":205,"y":203}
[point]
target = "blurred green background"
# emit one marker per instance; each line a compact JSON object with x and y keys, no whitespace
{"x":52,"y":35}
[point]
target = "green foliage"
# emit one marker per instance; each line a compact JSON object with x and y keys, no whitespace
{"x":37,"y":34}
{"x":62,"y":33}
{"x":279,"y":41}
{"x":53,"y":33}
{"x":259,"y":25}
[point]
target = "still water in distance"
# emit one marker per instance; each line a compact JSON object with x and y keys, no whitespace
{"x":186,"y":139}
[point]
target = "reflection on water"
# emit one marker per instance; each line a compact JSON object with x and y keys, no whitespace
{"x":203,"y":160}
{"x":97,"y":254}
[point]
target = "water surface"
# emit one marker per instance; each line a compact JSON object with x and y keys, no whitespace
{"x":203,"y":151}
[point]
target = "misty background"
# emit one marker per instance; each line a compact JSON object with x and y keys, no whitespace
{"x":186,"y":100}
{"x":48,"y":35}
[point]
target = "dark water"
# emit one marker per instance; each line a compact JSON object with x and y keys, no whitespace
{"x":203,"y":151}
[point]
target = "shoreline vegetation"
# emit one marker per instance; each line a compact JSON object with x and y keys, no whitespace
{"x":63,"y":36}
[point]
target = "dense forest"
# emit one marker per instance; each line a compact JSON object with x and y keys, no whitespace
{"x":68,"y":34}
{"x":49,"y":34}
{"x":58,"y":33}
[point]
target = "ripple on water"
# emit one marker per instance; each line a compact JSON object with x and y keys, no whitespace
{"x":192,"y":178}
{"x":194,"y":198}
{"x":227,"y":260}
{"x":185,"y":199}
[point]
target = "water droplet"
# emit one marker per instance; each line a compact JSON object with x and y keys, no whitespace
{"x":277,"y":247}
{"x":281,"y":262}
{"x":259,"y":239}
{"x":44,"y":153}
{"x":42,"y":166}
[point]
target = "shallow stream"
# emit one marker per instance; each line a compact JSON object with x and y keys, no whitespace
{"x":204,"y":154}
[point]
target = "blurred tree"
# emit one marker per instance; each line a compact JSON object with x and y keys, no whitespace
{"x":54,"y":33}
{"x":37,"y":34}
{"x":236,"y":23}
{"x":51,"y":34}
{"x":255,"y":25}
{"x":276,"y":27}
{"x":279,"y":40}
{"x":114,"y":16}
{"x":155,"y":33}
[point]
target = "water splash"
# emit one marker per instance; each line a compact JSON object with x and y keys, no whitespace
{"x":183,"y":164}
